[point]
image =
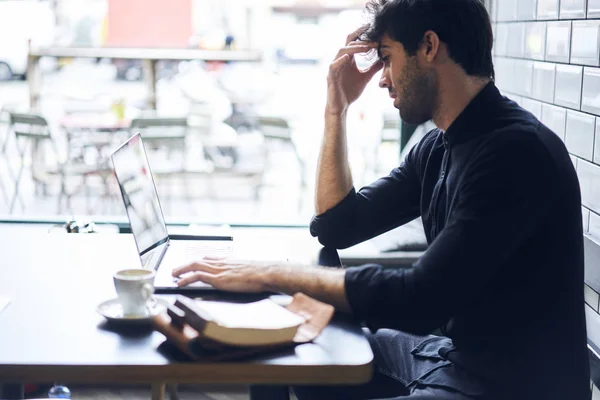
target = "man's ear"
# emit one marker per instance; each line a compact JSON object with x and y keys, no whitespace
{"x":430,"y":46}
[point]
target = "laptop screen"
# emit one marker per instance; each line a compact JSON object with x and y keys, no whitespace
{"x":140,"y":197}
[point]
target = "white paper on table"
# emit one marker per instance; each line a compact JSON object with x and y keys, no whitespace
{"x":4,"y":301}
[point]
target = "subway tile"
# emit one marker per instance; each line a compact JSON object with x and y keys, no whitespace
{"x":516,"y":98}
{"x":567,"y":92}
{"x":571,"y":9}
{"x":533,"y":106}
{"x":504,"y":70}
{"x":558,"y":41}
{"x":544,"y":77}
{"x":585,"y":43}
{"x":535,"y":40}
{"x":507,"y":10}
{"x":591,"y":250}
{"x":589,"y":180}
{"x":595,"y":393}
{"x":516,"y":40}
{"x":593,"y":10}
{"x":579,"y":136}
{"x":523,"y":77}
{"x":501,"y":44}
{"x":592,"y":320}
{"x":526,"y":10}
{"x":573,"y":160}
{"x":591,"y":297}
{"x":590,"y":99}
{"x":547,"y":9}
{"x":555,"y":118}
{"x":585,"y":219}
{"x":597,"y":144}
{"x":594,"y":226}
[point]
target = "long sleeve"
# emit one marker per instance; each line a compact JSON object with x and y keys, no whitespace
{"x":506,"y":194}
{"x":385,"y":204}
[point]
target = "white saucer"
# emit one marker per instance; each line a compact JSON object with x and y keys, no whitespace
{"x":113,"y":312}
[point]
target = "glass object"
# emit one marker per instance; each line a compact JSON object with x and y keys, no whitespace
{"x":59,"y":391}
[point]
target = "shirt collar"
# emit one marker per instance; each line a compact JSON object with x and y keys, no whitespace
{"x":475,"y":118}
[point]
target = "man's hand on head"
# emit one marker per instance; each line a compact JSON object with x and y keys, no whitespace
{"x":345,"y":82}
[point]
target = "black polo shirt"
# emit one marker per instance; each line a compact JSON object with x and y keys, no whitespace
{"x":503,"y":274}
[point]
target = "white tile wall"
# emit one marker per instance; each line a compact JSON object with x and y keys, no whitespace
{"x":568,"y":86}
{"x":507,"y":10}
{"x":572,"y":9}
{"x":595,"y":393}
{"x":526,"y":10}
{"x":585,"y":214}
{"x":591,"y":297}
{"x":501,"y":44}
{"x":516,"y":40}
{"x":589,"y":180}
{"x":597,"y":144}
{"x":547,"y":9}
{"x":580,"y":134}
{"x":594,"y":226}
{"x":590,"y":99}
{"x":593,"y":10}
{"x":504,"y":71}
{"x":535,"y":40}
{"x":558,"y":41}
{"x":574,"y":161}
{"x":585,"y":44}
{"x":555,"y":118}
{"x":533,"y":106}
{"x":544,"y":77}
{"x":593,"y":324}
{"x":523,"y":77}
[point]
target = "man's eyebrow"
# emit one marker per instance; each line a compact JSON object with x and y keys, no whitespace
{"x":381,"y":46}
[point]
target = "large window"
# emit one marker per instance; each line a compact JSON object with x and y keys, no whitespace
{"x":231,"y":117}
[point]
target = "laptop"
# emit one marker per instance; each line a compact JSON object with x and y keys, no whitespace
{"x":157,"y":249}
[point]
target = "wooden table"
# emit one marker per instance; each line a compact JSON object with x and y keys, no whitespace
{"x":51,"y":331}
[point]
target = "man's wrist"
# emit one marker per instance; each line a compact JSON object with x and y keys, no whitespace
{"x":335,"y":113}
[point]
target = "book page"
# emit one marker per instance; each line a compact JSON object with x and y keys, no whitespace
{"x":264,"y":314}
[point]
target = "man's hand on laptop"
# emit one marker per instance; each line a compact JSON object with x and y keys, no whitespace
{"x":321,"y":283}
{"x":226,"y":274}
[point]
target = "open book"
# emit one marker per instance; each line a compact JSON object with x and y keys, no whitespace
{"x":220,"y":330}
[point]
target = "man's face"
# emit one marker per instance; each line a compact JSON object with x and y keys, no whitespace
{"x":414,"y":88}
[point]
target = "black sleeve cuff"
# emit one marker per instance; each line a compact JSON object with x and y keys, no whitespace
{"x":360,"y":282}
{"x":331,"y":226}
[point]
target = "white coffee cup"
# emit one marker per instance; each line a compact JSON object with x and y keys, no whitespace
{"x":134,"y":288}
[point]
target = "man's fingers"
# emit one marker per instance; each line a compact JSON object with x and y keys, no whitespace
{"x":357,"y":49}
{"x":356,"y":34}
{"x":197,"y":276}
{"x":337,"y":64}
{"x":372,"y":70}
{"x":197,"y":266}
{"x":214,"y":258}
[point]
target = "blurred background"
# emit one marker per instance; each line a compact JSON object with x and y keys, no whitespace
{"x":228,"y":95}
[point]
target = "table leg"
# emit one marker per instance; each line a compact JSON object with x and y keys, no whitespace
{"x":260,"y":392}
{"x":158,"y":391}
{"x":12,"y":391}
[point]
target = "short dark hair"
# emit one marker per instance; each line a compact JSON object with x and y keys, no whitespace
{"x":463,"y":25}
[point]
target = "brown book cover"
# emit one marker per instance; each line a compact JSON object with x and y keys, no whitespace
{"x":174,"y":325}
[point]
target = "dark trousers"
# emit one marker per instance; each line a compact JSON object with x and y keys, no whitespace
{"x":405,"y":366}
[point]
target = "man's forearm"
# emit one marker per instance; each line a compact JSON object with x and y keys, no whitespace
{"x":334,"y":179}
{"x":321,"y":283}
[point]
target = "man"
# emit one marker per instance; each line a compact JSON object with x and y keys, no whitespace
{"x":502,"y":280}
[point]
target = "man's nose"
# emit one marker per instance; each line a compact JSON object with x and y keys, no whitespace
{"x":384,"y":81}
